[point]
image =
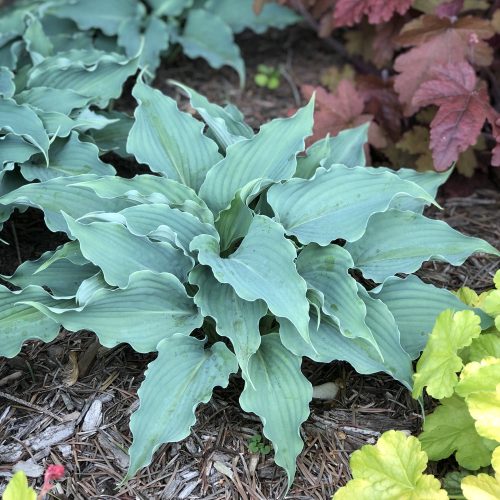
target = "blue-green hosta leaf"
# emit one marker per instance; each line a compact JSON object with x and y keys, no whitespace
{"x":338,"y":202}
{"x":233,"y":222}
{"x":187,"y":373}
{"x":7,"y":85}
{"x":430,"y":181}
{"x":399,"y":242}
{"x":48,"y":99}
{"x":226,"y":129}
{"x":235,"y":318}
{"x":160,"y":222}
{"x":169,"y":7}
{"x":150,"y":308}
{"x":20,"y":322}
{"x":63,"y":276}
{"x":89,"y":287}
{"x":261,"y":268}
{"x":14,"y":149}
{"x":156,"y":40}
{"x":328,"y":343}
{"x":12,"y":24}
{"x":243,"y":16}
{"x":22,"y":121}
{"x":106,"y":16}
{"x":249,"y":163}
{"x":415,"y":305}
{"x":10,"y":54}
{"x":69,"y":157}
{"x":131,"y":253}
{"x":62,"y":194}
{"x":150,"y":189}
{"x":280,"y":396}
{"x":207,"y":35}
{"x":326,"y":270}
{"x":94,"y":74}
{"x":38,"y":44}
{"x":113,"y":137}
{"x":168,"y":140}
{"x":346,"y":148}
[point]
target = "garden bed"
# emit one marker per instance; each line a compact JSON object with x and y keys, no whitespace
{"x":71,"y":399}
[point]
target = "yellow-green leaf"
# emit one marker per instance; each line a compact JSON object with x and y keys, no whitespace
{"x":482,"y":486}
{"x":18,"y":488}
{"x":438,"y":366}
{"x":480,"y":386}
{"x":392,"y":470}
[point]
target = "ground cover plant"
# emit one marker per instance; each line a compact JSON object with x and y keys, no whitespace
{"x":236,"y":258}
{"x":460,"y":367}
{"x":422,"y":72}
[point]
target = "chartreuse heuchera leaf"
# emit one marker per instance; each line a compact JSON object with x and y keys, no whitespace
{"x":439,"y":364}
{"x":483,"y":486}
{"x":392,"y":469}
{"x":18,"y":488}
{"x":451,"y":429}
{"x":479,"y":385}
{"x":226,"y":242}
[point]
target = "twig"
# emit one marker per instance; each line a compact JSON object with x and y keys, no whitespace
{"x":31,"y":406}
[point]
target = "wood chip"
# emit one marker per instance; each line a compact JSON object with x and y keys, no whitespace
{"x":93,"y":417}
{"x":223,"y":469}
{"x":54,"y":434}
{"x":30,"y":468}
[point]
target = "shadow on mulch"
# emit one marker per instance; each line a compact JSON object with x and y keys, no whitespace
{"x":70,"y":401}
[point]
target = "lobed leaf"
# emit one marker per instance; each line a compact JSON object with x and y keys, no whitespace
{"x":439,"y":364}
{"x":415,"y":306}
{"x":391,"y":469}
{"x":450,"y":429}
{"x":479,"y":385}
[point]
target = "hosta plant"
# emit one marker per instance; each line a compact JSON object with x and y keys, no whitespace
{"x":242,"y":254}
{"x":63,"y":63}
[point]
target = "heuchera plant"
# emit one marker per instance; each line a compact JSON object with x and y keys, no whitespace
{"x":436,"y":56}
{"x":460,"y":365}
{"x":236,"y":257}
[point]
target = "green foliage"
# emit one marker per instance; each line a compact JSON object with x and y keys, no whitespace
{"x":392,"y":469}
{"x":18,"y":489}
{"x":256,"y":444}
{"x":466,"y":423}
{"x":238,"y":236}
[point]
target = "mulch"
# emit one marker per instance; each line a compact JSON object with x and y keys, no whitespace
{"x":70,"y":401}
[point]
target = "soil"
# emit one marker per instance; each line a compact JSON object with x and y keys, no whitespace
{"x":69,"y":401}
